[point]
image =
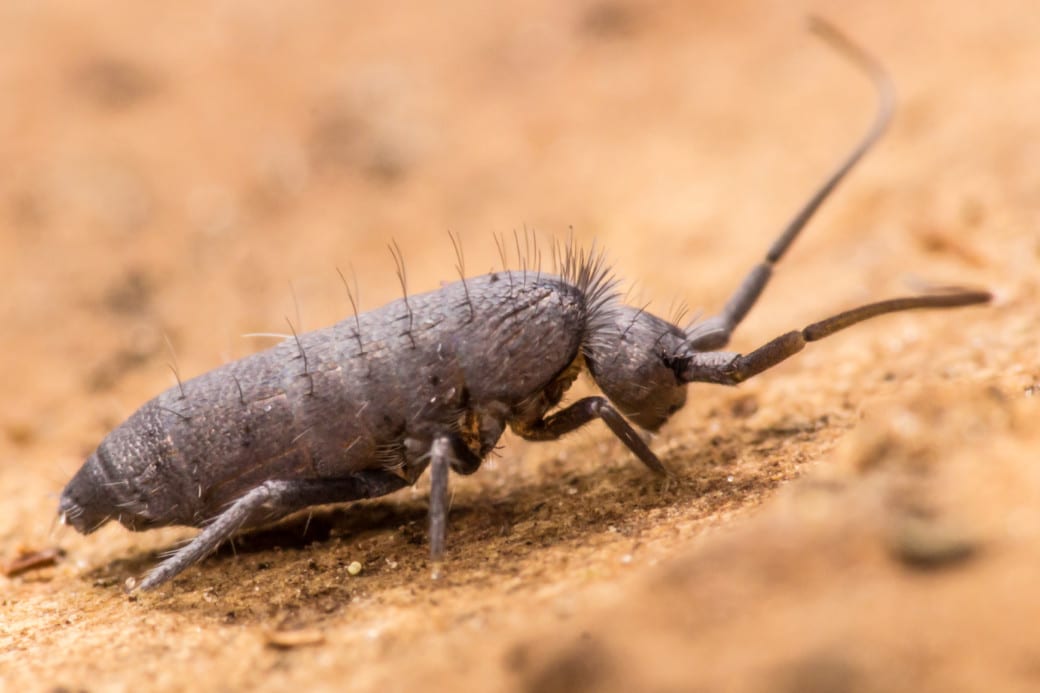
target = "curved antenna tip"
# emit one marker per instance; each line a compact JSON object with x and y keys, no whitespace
{"x":837,"y":39}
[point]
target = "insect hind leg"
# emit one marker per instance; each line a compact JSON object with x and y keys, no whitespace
{"x":268,"y":502}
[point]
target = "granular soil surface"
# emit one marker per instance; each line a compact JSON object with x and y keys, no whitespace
{"x":864,"y":517}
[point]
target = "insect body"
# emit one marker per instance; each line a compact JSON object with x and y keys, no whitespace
{"x":364,"y":407}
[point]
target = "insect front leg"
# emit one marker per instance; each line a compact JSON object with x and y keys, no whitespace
{"x":446,"y":452}
{"x":580,"y":413}
{"x":267,"y":502}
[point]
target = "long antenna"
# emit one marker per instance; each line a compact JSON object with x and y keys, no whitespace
{"x":883,"y":116}
{"x":715,"y":332}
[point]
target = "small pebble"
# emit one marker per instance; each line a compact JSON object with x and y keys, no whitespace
{"x":28,"y":560}
{"x":354,"y":568}
{"x":288,"y":639}
{"x":931,"y":544}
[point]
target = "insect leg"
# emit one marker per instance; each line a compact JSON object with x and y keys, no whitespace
{"x":267,"y":502}
{"x":726,"y":368}
{"x":714,"y":333}
{"x":584,"y":411}
{"x":446,"y":451}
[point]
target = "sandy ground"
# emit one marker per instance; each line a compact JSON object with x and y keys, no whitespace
{"x":864,"y":517}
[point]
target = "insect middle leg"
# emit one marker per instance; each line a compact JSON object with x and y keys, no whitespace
{"x":584,"y":411}
{"x":267,"y":502}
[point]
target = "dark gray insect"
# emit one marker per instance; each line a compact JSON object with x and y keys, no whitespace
{"x":362,"y":408}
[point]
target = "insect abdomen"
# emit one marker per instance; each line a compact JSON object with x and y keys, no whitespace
{"x":329,"y":403}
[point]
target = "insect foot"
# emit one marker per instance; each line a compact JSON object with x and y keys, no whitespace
{"x":362,"y":408}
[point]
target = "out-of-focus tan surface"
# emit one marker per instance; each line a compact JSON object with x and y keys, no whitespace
{"x":864,"y":517}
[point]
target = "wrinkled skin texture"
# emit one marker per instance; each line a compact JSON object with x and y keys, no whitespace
{"x":468,"y":358}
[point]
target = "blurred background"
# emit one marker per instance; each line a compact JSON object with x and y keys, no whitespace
{"x":180,"y":175}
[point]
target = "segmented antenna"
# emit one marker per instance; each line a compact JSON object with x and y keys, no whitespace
{"x":353,"y":305}
{"x":303,"y":354}
{"x":715,"y":332}
{"x":460,"y":266}
{"x":395,"y":251}
{"x":882,"y":117}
